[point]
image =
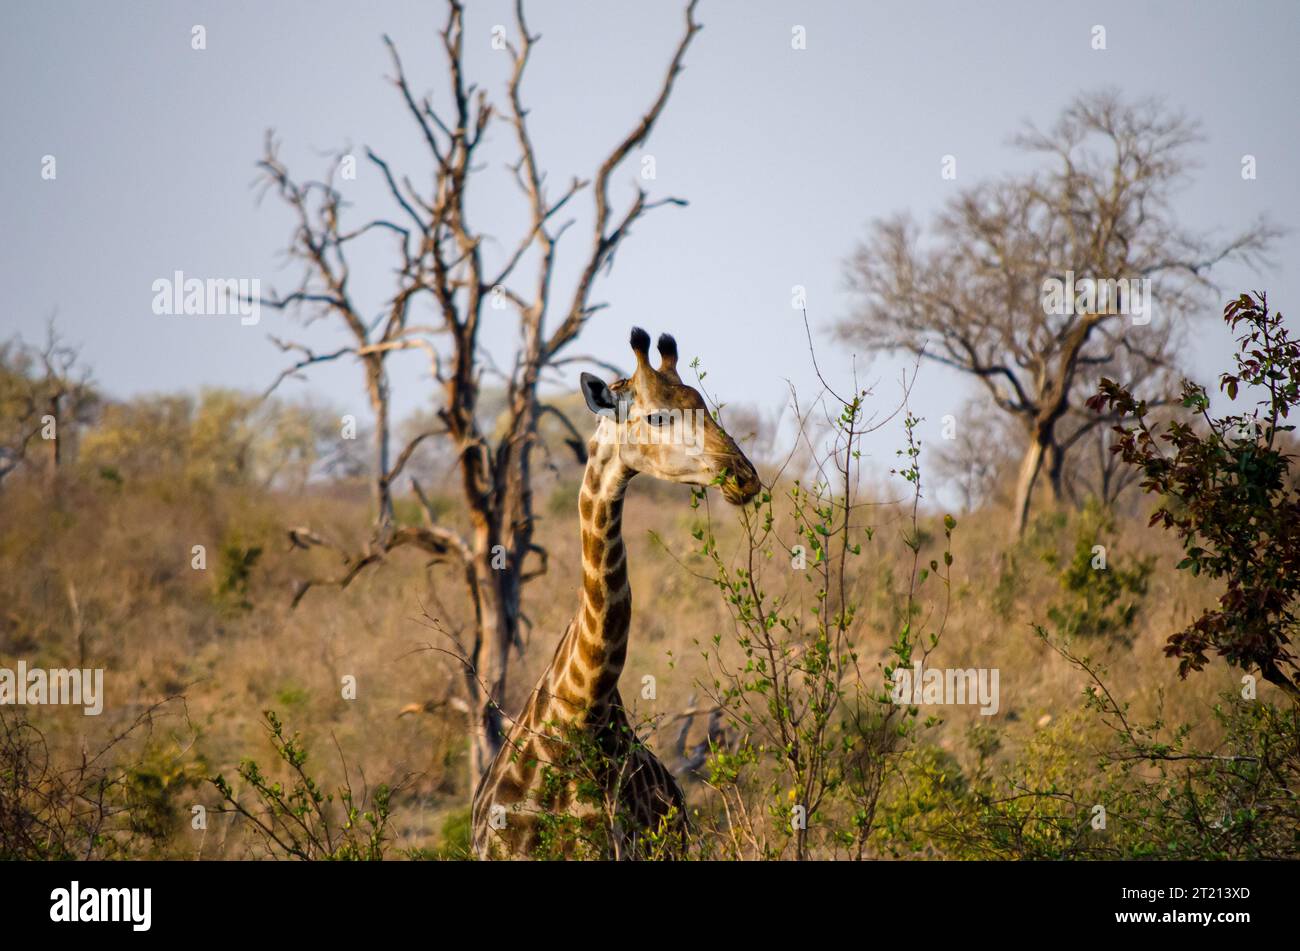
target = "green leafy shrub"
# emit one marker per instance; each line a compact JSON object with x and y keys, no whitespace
{"x":151,"y":789}
{"x":1102,"y":597}
{"x":234,"y":571}
{"x":1145,"y":790}
{"x":297,"y":818}
{"x":1227,"y":490}
{"x":819,"y":732}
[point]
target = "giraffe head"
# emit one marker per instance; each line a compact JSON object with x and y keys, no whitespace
{"x":662,"y":427}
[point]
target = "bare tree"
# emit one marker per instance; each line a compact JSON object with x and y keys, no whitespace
{"x":43,"y":393}
{"x":440,"y":257}
{"x":1098,"y":213}
{"x":1087,"y":436}
{"x":976,"y":456}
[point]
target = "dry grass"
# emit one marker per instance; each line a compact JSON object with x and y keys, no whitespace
{"x":101,"y":577}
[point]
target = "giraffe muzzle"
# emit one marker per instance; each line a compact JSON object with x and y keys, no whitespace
{"x":742,"y":484}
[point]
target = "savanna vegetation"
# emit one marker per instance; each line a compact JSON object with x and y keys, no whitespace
{"x":1146,"y":675}
{"x":314,"y":626}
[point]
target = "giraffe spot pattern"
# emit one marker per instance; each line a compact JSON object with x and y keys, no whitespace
{"x":580,"y":688}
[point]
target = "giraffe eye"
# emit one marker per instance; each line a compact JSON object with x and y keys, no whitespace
{"x":658,"y":419}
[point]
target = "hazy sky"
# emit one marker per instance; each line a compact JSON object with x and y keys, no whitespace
{"x":785,"y":156}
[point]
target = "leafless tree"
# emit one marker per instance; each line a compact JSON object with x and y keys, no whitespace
{"x":45,"y":394}
{"x":975,"y":298}
{"x":440,"y":258}
{"x":1095,"y":471}
{"x":977,"y":454}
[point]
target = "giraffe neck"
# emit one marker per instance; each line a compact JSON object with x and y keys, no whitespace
{"x":587,"y":667}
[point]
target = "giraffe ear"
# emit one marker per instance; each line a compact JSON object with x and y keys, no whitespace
{"x":600,"y":398}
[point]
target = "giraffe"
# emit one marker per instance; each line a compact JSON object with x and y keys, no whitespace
{"x":654,"y":423}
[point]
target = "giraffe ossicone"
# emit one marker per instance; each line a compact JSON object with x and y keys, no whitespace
{"x":573,"y":735}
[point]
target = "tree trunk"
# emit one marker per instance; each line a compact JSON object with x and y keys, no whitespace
{"x":377,"y":387}
{"x":497,"y":623}
{"x":1029,"y":468}
{"x":56,"y":444}
{"x":52,"y":473}
{"x":1055,"y":461}
{"x":1042,"y":450}
{"x":503,"y":541}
